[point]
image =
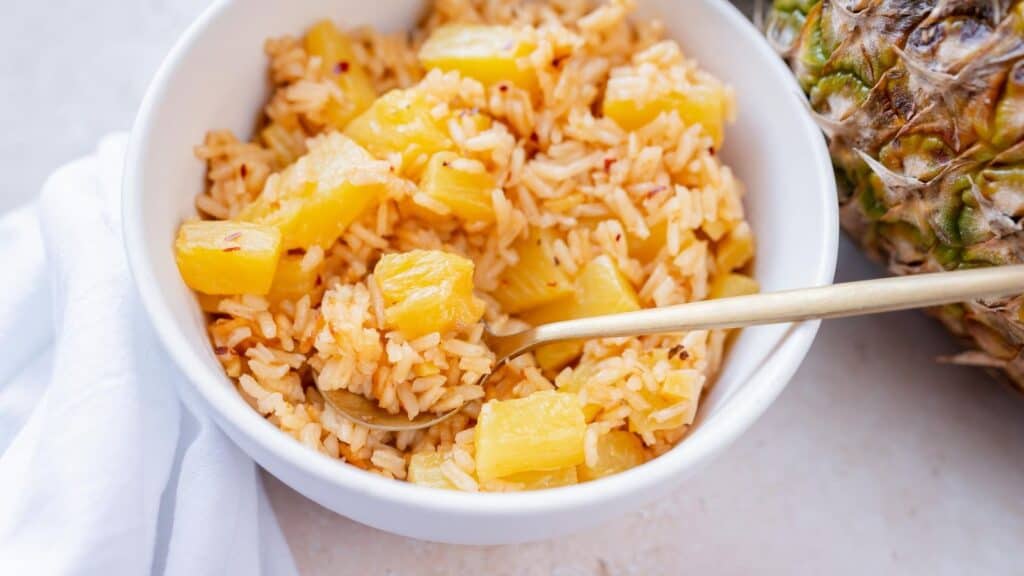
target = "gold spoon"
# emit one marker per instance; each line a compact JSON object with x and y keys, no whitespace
{"x":835,"y":301}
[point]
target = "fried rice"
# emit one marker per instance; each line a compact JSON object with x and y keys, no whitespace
{"x":560,"y":167}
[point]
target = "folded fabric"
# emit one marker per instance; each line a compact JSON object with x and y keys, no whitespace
{"x":103,"y":469}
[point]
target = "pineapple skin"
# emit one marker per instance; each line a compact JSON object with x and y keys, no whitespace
{"x":922,"y":102}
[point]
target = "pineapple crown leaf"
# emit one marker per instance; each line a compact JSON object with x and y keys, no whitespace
{"x":846,"y":20}
{"x":832,"y":128}
{"x":775,"y":32}
{"x":998,"y":223}
{"x":898,"y":185}
{"x":941,"y":88}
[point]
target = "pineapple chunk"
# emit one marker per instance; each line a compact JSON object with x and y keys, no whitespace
{"x":683,"y":384}
{"x":646,"y":249}
{"x":617,"y":451}
{"x":223,"y":257}
{"x":489,"y":54}
{"x":535,"y":279}
{"x":427,"y":291}
{"x":455,"y":183}
{"x":291,"y":282}
{"x":425,"y":470}
{"x":539,"y":480}
{"x":317,"y":198}
{"x":680,"y":387}
{"x":574,"y":383}
{"x":729,"y":285}
{"x":551,"y":357}
{"x":600,"y":289}
{"x":401,"y":123}
{"x":702,"y":105}
{"x":736,"y":249}
{"x":543,"y":431}
{"x":338,"y":61}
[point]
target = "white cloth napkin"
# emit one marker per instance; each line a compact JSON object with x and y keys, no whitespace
{"x":103,"y":469}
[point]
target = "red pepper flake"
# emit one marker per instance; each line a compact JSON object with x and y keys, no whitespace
{"x":232,"y":248}
{"x":534,"y":137}
{"x":233,"y":236}
{"x":341,"y":67}
{"x":683,"y":354}
{"x":445,"y":163}
{"x":221,"y":350}
{"x":243,"y":170}
{"x":654,"y":191}
{"x":608,"y":163}
{"x":557,"y":61}
{"x":552,"y":283}
{"x":618,"y":237}
{"x":711,"y":150}
{"x":295,"y":251}
{"x":557,"y":261}
{"x":503,"y":87}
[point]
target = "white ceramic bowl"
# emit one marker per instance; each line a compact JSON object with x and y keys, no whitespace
{"x":216,"y":78}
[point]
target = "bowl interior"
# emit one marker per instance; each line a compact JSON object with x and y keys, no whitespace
{"x":216,"y":79}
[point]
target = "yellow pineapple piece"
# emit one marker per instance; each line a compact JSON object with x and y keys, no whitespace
{"x":490,"y":54}
{"x":736,"y":249}
{"x":402,"y":123}
{"x":681,"y":387}
{"x":425,"y":470}
{"x":319,"y":195}
{"x":646,"y":249}
{"x":704,"y":105}
{"x":617,"y":451}
{"x":552,"y":357}
{"x":291,"y":281}
{"x":338,"y":61}
{"x":542,"y":479}
{"x":729,"y":285}
{"x":683,"y":384}
{"x":575,"y":383}
{"x":464,"y":186}
{"x":225,"y":257}
{"x":543,"y":431}
{"x":536,"y":278}
{"x":600,"y":288}
{"x":427,"y":291}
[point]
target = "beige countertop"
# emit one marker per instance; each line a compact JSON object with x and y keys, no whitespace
{"x":875,"y":460}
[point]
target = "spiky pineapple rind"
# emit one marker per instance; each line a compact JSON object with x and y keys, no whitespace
{"x":923,"y":104}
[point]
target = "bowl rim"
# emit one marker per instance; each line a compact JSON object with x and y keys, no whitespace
{"x":738,"y":412}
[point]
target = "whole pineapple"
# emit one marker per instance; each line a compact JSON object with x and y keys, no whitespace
{"x":922,"y":102}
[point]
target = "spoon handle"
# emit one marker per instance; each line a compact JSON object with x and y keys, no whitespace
{"x":835,"y":301}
